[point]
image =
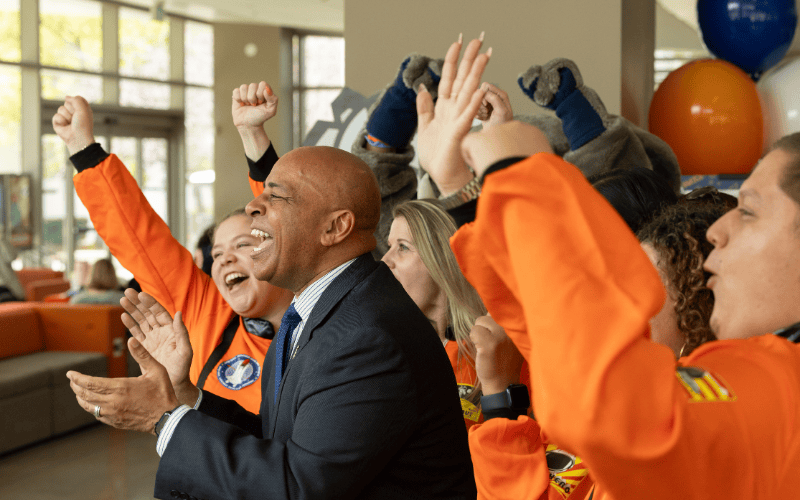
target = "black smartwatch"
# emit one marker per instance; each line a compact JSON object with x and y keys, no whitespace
{"x":511,"y":403}
{"x":163,"y":420}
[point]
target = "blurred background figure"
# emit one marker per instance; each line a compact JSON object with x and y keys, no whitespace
{"x":103,"y":287}
{"x":202,"y":252}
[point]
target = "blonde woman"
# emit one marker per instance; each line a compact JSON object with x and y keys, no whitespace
{"x":421,"y":259}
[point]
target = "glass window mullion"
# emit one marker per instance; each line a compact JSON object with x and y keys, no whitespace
{"x":110,"y":52}
{"x":139,"y":164}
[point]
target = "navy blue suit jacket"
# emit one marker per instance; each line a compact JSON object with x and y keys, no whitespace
{"x":368,"y":408}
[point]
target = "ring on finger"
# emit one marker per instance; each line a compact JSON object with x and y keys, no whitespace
{"x":96,"y":411}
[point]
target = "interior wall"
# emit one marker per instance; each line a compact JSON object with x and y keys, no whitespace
{"x":232,"y":68}
{"x":379,"y":35}
{"x":673,"y":33}
{"x":637,"y":58}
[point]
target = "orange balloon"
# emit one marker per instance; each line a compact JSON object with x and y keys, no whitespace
{"x":709,"y":112}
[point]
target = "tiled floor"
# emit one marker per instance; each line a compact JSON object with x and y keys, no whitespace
{"x":94,"y":463}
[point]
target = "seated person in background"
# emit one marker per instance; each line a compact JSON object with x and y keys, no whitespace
{"x":675,"y":242}
{"x":580,"y":298}
{"x":103,"y":286}
{"x":232,"y":316}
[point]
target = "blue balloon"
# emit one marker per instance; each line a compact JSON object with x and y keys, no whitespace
{"x":752,"y":34}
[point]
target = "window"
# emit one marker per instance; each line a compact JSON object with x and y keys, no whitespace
{"x":317,"y":79}
{"x":144,"y":53}
{"x":199,"y":69}
{"x":10,"y":116}
{"x":70,"y":34}
{"x":667,"y":60}
{"x":57,"y":84}
{"x":10,"y":41}
{"x":133,"y":67}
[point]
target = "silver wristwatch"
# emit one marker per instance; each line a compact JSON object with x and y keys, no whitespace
{"x":469,"y":192}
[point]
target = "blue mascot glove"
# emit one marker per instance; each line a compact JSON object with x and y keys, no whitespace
{"x":558,"y":86}
{"x":394,"y":120}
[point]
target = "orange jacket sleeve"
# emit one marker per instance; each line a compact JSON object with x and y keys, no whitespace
{"x":547,"y":242}
{"x":256,"y":187}
{"x":145,"y":246}
{"x":512,"y":461}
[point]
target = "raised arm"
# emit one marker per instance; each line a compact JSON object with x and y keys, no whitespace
{"x":123,"y":217}
{"x":588,"y":291}
{"x":251,"y":106}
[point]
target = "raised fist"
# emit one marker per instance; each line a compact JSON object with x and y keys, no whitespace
{"x":253,"y":105}
{"x":74,"y":124}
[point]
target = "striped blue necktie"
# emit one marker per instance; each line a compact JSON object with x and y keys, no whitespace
{"x":283,"y":340}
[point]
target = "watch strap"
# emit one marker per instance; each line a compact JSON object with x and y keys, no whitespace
{"x":163,"y":420}
{"x":511,"y":403}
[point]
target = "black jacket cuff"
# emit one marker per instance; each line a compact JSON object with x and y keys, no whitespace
{"x":260,"y":169}
{"x":501,"y":413}
{"x":465,"y":213}
{"x":89,"y":157}
{"x":500,"y":165}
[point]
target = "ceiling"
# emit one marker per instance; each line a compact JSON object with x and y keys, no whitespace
{"x":324,"y":15}
{"x":685,"y":10}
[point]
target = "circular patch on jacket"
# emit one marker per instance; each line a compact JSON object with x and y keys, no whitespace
{"x":464,"y":390}
{"x":238,"y":372}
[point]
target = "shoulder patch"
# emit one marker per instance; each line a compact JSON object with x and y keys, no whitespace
{"x":470,"y":411}
{"x":566,"y":470}
{"x":702,"y":386}
{"x":238,"y":372}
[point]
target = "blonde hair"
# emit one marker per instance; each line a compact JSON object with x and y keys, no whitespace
{"x":431,"y":228}
{"x":104,"y":277}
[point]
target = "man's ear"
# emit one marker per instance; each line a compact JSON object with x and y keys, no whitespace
{"x":338,"y":227}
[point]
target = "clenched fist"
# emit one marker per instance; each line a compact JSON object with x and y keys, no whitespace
{"x":73,"y":122}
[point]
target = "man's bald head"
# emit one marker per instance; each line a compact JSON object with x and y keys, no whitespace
{"x":342,"y":180}
{"x":320,"y":207}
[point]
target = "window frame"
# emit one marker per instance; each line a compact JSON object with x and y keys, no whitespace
{"x":296,"y":87}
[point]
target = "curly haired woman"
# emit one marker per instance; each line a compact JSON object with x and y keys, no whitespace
{"x":675,"y":240}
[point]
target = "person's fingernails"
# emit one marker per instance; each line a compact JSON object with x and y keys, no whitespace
{"x":460,"y":37}
{"x":422,"y":87}
{"x":489,"y":52}
{"x":483,"y":34}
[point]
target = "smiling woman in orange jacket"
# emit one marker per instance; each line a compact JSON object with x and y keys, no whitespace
{"x":230,"y":316}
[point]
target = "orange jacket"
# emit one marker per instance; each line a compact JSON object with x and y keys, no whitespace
{"x":557,"y":267}
{"x":465,"y":378}
{"x":144,"y":245}
{"x":513,"y":461}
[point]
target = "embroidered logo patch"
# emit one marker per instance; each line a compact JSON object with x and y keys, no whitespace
{"x":566,"y":470}
{"x":464,"y":390}
{"x":470,"y":411}
{"x":702,"y":386}
{"x":238,"y":372}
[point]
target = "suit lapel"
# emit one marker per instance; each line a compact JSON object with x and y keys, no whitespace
{"x":350,"y":277}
